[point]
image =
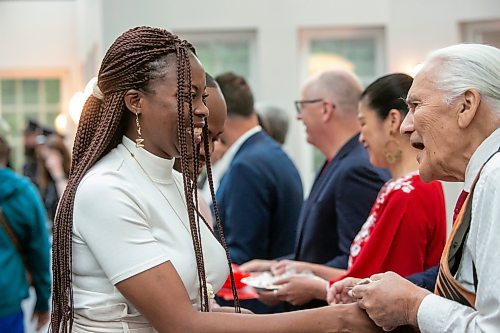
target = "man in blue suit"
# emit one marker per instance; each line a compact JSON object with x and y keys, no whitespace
{"x":346,"y":186}
{"x":260,"y":195}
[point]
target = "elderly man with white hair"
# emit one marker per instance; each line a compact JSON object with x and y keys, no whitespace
{"x":454,"y":121}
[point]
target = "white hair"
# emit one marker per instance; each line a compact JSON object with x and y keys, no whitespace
{"x":466,"y":66}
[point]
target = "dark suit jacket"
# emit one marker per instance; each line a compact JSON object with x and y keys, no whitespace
{"x":259,"y":201}
{"x":339,"y":203}
{"x":426,"y":279}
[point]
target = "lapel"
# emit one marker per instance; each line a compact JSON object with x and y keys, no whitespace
{"x":259,"y":136}
{"x":322,"y":179}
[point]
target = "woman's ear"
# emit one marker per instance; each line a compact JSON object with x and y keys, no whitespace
{"x":133,"y":100}
{"x":394,"y":120}
{"x":469,"y":103}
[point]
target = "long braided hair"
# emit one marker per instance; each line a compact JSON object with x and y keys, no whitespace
{"x":133,"y":60}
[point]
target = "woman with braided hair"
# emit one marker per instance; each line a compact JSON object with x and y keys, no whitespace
{"x":130,"y":252}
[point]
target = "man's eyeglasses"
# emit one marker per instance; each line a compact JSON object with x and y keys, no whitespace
{"x":300,"y":104}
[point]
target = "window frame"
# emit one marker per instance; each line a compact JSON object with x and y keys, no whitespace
{"x":17,"y":155}
{"x":212,"y":37}
{"x":308,"y":35}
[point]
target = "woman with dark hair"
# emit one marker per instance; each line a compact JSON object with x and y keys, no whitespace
{"x":130,"y":252}
{"x":406,"y":229}
{"x":54,"y":161}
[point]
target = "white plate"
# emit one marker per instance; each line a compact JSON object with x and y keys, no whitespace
{"x":264,"y":281}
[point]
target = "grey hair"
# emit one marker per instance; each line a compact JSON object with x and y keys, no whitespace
{"x":466,"y":66}
{"x":343,"y":87}
{"x":274,"y":120}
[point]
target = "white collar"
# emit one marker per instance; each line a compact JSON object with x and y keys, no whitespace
{"x":231,"y":152}
{"x":482,"y":153}
{"x":157,"y":168}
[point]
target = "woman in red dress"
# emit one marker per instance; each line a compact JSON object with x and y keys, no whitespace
{"x":406,"y":229}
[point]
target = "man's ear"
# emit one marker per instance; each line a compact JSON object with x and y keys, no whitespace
{"x":467,"y":107}
{"x":133,"y":100}
{"x":328,"y":110}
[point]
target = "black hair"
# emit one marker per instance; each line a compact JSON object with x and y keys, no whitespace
{"x":387,"y":93}
{"x":211,"y":83}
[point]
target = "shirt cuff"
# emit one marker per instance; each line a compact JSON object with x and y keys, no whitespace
{"x":433,"y":313}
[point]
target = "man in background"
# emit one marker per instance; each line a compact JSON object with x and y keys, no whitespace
{"x":274,"y":121}
{"x":261,"y":193}
{"x":346,"y":186}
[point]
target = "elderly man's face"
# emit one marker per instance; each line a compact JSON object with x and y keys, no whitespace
{"x":432,"y":126}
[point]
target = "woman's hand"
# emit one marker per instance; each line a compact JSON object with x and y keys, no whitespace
{"x":257,"y":265}
{"x":300,"y":289}
{"x":338,"y":293}
{"x":283,"y":266}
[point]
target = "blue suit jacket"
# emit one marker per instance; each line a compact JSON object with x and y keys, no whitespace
{"x":339,"y":203}
{"x":259,"y":201}
{"x":426,"y":279}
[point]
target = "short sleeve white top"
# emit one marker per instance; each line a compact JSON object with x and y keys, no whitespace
{"x":123,"y":225}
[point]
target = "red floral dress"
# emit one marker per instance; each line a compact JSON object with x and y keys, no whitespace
{"x":405,"y":231}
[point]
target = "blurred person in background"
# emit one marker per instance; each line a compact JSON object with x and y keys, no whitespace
{"x":30,"y":134}
{"x":216,"y":119}
{"x":24,"y":247}
{"x":54,"y":161}
{"x":346,"y":186}
{"x":274,"y":121}
{"x":260,"y":194}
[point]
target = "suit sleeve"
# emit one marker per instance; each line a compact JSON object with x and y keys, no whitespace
{"x":425,"y":279}
{"x":356,"y":193}
{"x":247,"y":215}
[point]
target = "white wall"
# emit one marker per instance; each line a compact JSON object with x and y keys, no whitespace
{"x":37,"y":34}
{"x":90,"y":34}
{"x":39,"y":38}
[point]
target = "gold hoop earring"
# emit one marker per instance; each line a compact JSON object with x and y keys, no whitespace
{"x":392,"y":151}
{"x":139,"y":142}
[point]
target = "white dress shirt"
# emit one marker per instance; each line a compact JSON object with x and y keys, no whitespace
{"x":437,"y":314}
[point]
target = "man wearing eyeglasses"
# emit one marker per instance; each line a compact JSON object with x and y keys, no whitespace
{"x":346,"y":186}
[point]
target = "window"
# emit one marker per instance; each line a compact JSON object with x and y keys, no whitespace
{"x":360,"y":50}
{"x":28,"y":99}
{"x":484,"y":32}
{"x":221,"y":52}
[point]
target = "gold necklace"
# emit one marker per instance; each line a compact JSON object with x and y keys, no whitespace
{"x":158,"y":189}
{"x":210,"y":291}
